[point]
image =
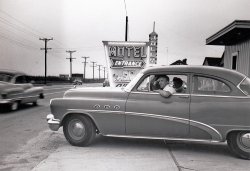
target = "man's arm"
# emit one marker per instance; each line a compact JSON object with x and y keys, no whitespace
{"x":163,"y":93}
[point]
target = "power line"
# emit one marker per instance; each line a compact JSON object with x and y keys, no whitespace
{"x":23,"y":24}
{"x":18,"y":43}
{"x":22,"y":27}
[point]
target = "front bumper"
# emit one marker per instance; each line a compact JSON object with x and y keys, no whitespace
{"x":54,"y":124}
{"x":5,"y":101}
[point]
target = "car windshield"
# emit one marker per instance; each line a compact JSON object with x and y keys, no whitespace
{"x":245,"y":86}
{"x":5,"y":77}
{"x":132,"y":83}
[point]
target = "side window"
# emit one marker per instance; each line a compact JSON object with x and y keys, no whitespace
{"x":184,"y":83}
{"x":160,"y":81}
{"x":21,"y":80}
{"x":206,"y":85}
{"x":145,"y":85}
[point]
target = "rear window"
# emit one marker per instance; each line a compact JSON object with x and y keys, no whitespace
{"x":245,"y":86}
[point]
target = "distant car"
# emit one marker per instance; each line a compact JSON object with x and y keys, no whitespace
{"x":77,"y":82}
{"x":15,"y":89}
{"x":213,"y":106}
{"x":105,"y":83}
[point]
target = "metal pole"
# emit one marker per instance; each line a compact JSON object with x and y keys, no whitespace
{"x":46,"y":50}
{"x":85,"y":59}
{"x":93,"y":70}
{"x":70,"y":60}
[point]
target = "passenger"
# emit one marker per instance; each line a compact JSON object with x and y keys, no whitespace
{"x":178,"y":85}
{"x":166,"y":89}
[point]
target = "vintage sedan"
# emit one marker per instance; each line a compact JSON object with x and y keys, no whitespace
{"x":214,"y":107}
{"x":15,"y":89}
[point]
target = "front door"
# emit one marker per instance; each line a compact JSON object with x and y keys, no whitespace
{"x":151,"y":115}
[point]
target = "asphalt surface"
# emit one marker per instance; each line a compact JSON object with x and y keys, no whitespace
{"x":18,"y":127}
{"x":26,"y":143}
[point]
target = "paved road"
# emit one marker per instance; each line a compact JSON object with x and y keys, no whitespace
{"x":26,"y":143}
{"x":17,"y":128}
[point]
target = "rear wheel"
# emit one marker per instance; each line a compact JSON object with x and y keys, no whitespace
{"x":79,"y":130}
{"x":239,"y":143}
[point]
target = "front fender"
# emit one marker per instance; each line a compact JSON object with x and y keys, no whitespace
{"x":107,"y":115}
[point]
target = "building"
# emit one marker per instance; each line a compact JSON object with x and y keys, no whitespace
{"x":153,"y":44}
{"x":236,"y":39}
{"x":213,"y":61}
{"x":77,"y":76}
{"x":180,"y":62}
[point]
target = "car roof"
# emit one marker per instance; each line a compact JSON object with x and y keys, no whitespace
{"x":11,"y":72}
{"x":228,"y":74}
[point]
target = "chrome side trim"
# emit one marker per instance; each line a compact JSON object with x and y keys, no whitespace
{"x":207,"y":128}
{"x":238,"y":126}
{"x":238,"y":86}
{"x":182,"y":120}
{"x":151,"y":92}
{"x":98,"y":111}
{"x":220,"y":96}
{"x":20,"y":98}
{"x":210,"y":130}
{"x":160,"y":138}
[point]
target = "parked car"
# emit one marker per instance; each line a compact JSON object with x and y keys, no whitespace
{"x":105,"y":83}
{"x":77,"y":82}
{"x":16,"y":89}
{"x":213,"y":107}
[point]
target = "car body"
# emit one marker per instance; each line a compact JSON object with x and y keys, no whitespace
{"x":105,"y":83}
{"x":214,"y":106}
{"x":15,"y":89}
{"x":77,"y":82}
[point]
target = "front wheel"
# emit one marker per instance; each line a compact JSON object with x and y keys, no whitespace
{"x":14,"y":106}
{"x":79,"y":130}
{"x":239,"y":143}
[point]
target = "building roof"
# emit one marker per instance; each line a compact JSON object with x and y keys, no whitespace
{"x":237,"y":31}
{"x":180,"y":62}
{"x":212,"y":61}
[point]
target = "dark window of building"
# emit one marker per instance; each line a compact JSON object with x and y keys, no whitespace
{"x":234,"y":62}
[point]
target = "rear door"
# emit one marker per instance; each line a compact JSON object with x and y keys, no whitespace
{"x":212,"y":106}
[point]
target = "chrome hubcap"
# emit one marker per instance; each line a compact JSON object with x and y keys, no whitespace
{"x":244,"y":142}
{"x":76,"y":129}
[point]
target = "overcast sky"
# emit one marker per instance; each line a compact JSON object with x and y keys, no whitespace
{"x":182,"y":26}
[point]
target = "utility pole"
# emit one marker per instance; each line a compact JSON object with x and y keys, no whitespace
{"x":104,"y":69}
{"x":93,"y":69}
{"x":70,"y":60}
{"x":99,"y":69}
{"x":126,"y":27}
{"x":45,"y":50}
{"x":85,"y":62}
{"x":126,"y":30}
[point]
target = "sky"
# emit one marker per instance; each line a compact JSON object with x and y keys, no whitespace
{"x":182,"y":27}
